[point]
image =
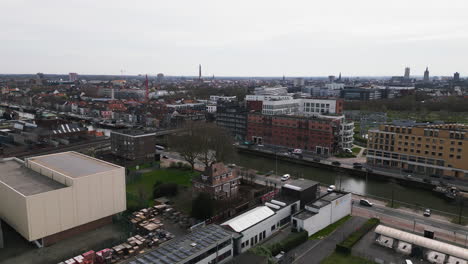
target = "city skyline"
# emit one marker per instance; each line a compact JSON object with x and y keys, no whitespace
{"x":234,"y":39}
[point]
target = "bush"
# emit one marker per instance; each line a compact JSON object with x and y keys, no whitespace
{"x":290,"y":242}
{"x":346,"y":246}
{"x":202,"y":206}
{"x":165,"y":189}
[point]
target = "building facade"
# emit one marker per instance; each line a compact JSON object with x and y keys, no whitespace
{"x":317,"y":134}
{"x":233,"y":118}
{"x":430,"y":149}
{"x":133,"y":145}
{"x":220,"y":181}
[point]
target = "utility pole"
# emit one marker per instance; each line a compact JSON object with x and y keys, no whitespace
{"x":392,"y":192}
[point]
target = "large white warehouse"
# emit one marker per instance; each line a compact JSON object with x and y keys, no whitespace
{"x":48,"y":198}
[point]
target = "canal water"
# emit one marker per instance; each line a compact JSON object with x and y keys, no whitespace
{"x":379,"y":188}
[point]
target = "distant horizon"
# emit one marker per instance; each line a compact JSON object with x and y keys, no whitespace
{"x":237,"y":76}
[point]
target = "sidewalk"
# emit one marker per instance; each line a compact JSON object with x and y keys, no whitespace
{"x":314,"y":251}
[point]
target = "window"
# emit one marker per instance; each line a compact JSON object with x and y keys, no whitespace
{"x":273,"y":227}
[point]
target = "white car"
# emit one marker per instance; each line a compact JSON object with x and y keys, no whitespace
{"x":331,"y":188}
{"x":285,"y":177}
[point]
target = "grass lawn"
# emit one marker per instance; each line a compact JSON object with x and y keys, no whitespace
{"x":147,"y":181}
{"x":329,"y":229}
{"x":337,"y":258}
{"x":356,"y":150}
{"x":142,"y":166}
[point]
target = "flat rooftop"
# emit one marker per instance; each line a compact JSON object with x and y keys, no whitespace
{"x":302,"y":183}
{"x":326,"y":199}
{"x":304,"y":215}
{"x":134,"y":133}
{"x":73,"y":164}
{"x":181,"y":250}
{"x":24,"y":180}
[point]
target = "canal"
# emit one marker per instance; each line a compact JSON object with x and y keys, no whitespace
{"x":379,"y":188}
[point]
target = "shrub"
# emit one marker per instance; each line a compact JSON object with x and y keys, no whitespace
{"x":202,"y":206}
{"x":165,"y":189}
{"x":290,"y":242}
{"x":346,"y":246}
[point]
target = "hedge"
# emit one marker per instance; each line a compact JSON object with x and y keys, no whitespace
{"x":346,"y":246}
{"x":290,"y":242}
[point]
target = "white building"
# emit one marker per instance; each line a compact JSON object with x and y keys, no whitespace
{"x":254,"y":97}
{"x":323,"y":212}
{"x":216,"y":98}
{"x":318,"y":106}
{"x":256,"y":225}
{"x":211,"y":108}
{"x":271,"y":90}
{"x":280,"y":107}
{"x":46,"y":198}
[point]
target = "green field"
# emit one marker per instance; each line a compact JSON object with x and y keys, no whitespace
{"x":330,"y":228}
{"x":144,"y":186}
{"x":337,"y":258}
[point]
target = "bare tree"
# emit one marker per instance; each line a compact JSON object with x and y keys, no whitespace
{"x":205,"y":142}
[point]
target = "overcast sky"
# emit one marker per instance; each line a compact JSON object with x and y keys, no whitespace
{"x":235,"y":37}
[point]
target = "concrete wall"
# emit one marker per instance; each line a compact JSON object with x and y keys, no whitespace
{"x":13,"y":209}
{"x":88,"y":199}
{"x":327,"y":215}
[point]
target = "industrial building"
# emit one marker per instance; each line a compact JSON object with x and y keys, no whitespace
{"x":134,"y":145}
{"x":322,"y":212}
{"x":256,"y":225}
{"x":209,"y":244}
{"x":432,"y":250}
{"x":48,"y":198}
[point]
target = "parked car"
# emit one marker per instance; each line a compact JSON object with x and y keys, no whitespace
{"x":435,"y":176}
{"x":407,"y":261}
{"x":285,"y":177}
{"x":165,"y":157}
{"x":347,"y":150}
{"x":260,"y":145}
{"x":365,"y":202}
{"x":427,"y":212}
{"x":316,"y":159}
{"x":357,"y":165}
{"x":336,"y":163}
{"x":447,"y":178}
{"x":279,"y":257}
{"x":331,"y":188}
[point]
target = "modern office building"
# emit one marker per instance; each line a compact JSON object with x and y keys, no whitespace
{"x":305,"y":106}
{"x":321,"y":134}
{"x":361,"y":94}
{"x":52,"y":197}
{"x":133,"y":145}
{"x":233,"y":118}
{"x":220,"y":181}
{"x":439,"y":149}
{"x":209,"y":244}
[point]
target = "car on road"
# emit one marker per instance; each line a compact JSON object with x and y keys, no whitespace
{"x":357,"y":165}
{"x":427,"y":212}
{"x":448,"y":178}
{"x":279,"y":257}
{"x":347,"y":150}
{"x":336,"y":163}
{"x":407,"y":261}
{"x":165,"y":157}
{"x":365,"y":202}
{"x":331,"y":188}
{"x":259,"y":145}
{"x":285,"y":177}
{"x":269,"y":173}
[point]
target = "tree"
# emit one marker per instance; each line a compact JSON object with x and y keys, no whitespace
{"x":203,"y":141}
{"x":216,"y":145}
{"x":202,"y":206}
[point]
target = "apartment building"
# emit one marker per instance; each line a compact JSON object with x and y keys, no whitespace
{"x":439,"y":149}
{"x":133,"y":145}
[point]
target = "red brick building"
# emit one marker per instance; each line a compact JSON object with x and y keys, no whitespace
{"x":318,"y":134}
{"x":220,"y":181}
